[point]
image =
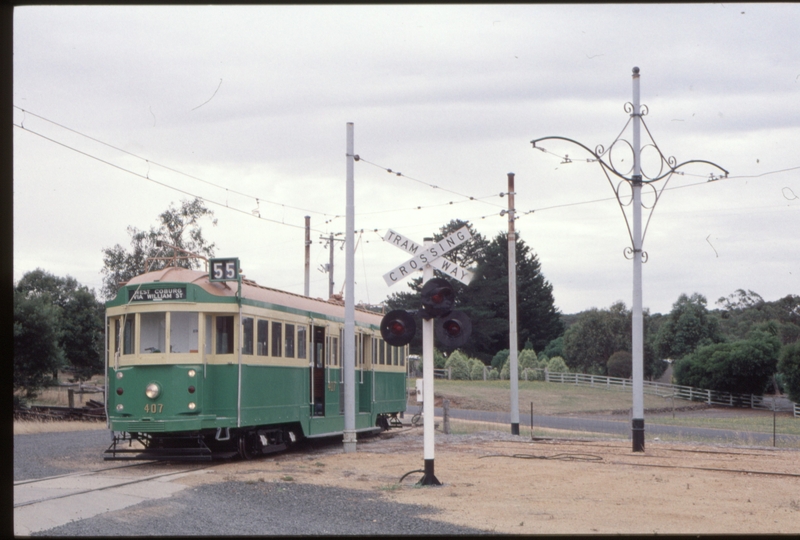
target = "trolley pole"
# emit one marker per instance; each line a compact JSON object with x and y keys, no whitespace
{"x":512,"y":310}
{"x":349,"y":306}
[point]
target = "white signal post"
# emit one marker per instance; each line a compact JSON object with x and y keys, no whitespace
{"x":426,"y":258}
{"x":428,"y":410}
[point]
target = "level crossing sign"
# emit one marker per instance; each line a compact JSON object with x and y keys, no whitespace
{"x":431,"y":255}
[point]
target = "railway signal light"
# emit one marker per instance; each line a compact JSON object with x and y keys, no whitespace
{"x":453,"y":330}
{"x":398,"y":328}
{"x":438,"y":298}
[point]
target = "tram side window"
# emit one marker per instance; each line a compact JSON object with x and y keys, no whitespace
{"x":383,"y":352}
{"x":301,"y":342}
{"x":225,"y":335}
{"x":334,"y":351}
{"x":375,"y":343}
{"x":247,"y":335}
{"x":263,"y":338}
{"x":277,"y":338}
{"x":183,"y":332}
{"x":152,"y":334}
{"x":401,"y":351}
{"x":208,"y":330}
{"x":288,"y":351}
{"x":129,"y":335}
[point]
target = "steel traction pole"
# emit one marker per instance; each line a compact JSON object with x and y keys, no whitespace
{"x":666,"y":168}
{"x":349,"y":306}
{"x":637,"y":328}
{"x":512,"y":310}
{"x":306,"y":275}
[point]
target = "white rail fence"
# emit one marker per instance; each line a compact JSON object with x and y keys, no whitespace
{"x":711,"y":397}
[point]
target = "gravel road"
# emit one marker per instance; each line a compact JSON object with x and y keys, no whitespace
{"x":227,"y":508}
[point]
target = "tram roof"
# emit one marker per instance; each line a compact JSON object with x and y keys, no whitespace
{"x":250,"y":290}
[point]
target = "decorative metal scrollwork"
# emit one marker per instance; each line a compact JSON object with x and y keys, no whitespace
{"x":628,"y":254}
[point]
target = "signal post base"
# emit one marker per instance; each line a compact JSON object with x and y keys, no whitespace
{"x":429,"y":479}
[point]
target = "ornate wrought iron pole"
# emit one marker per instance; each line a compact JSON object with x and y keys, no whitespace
{"x":637,"y":180}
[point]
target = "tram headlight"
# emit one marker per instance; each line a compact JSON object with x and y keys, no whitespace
{"x":192,"y":373}
{"x":120,"y":407}
{"x":119,"y":374}
{"x":192,"y":406}
{"x":152,"y":391}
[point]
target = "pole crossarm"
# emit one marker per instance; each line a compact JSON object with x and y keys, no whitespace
{"x":608,"y":168}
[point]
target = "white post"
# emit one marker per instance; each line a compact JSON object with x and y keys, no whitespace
{"x":349,"y":306}
{"x":512,"y":309}
{"x":306,"y":274}
{"x":637,"y":337}
{"x":428,"y":410}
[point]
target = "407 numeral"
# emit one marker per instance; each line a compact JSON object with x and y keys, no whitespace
{"x":154,"y":408}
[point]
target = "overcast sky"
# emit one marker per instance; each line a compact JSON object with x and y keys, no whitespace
{"x":248,"y":106}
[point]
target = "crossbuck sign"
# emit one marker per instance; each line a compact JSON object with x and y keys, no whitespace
{"x":432,"y":256}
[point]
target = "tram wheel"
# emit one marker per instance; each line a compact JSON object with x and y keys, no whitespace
{"x":246,"y":448}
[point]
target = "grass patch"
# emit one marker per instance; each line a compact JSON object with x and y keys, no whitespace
{"x":761,"y":423}
{"x":28,"y":427}
{"x":547,"y":398}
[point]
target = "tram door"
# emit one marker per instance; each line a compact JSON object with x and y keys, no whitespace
{"x":318,"y":372}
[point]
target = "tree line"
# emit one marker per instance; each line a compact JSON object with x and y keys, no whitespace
{"x":745,"y":345}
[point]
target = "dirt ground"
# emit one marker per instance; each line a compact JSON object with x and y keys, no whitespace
{"x":505,"y":484}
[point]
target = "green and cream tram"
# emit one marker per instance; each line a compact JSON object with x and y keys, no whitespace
{"x":198,"y":368}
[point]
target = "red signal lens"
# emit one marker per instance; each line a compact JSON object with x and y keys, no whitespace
{"x":438,"y":298}
{"x":397,"y":328}
{"x":452,"y":328}
{"x":119,"y":391}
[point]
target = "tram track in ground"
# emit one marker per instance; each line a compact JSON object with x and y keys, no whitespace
{"x":124,"y":481}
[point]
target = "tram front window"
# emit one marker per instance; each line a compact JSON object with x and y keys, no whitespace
{"x":153,"y":333}
{"x":183,"y":332}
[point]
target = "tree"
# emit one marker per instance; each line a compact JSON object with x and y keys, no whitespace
{"x":789,"y":367}
{"x":79,"y":318}
{"x":688,"y":326}
{"x":37,"y":353}
{"x":744,"y":366}
{"x":620,"y":364}
{"x":179,"y":227}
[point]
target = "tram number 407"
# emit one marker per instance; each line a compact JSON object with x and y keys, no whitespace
{"x":153,"y":408}
{"x":224,"y":269}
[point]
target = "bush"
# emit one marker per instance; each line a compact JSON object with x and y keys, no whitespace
{"x":439,"y":359}
{"x":493,"y":375}
{"x":557,"y":365}
{"x":459,"y":366}
{"x":789,"y":368}
{"x":620,"y":364}
{"x":499,"y":359}
{"x":527,"y":359}
{"x":475,"y":369}
{"x":743,"y":367}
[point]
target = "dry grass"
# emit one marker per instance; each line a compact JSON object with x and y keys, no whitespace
{"x":28,"y":427}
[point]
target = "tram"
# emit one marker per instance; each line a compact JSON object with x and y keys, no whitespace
{"x":199,"y":366}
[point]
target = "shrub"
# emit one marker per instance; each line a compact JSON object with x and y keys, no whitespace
{"x":439,"y":359}
{"x":499,"y":358}
{"x":493,"y":375}
{"x":557,"y":365}
{"x":459,"y":366}
{"x":620,"y":364}
{"x":527,"y":359}
{"x":475,"y":369}
{"x":789,"y":368}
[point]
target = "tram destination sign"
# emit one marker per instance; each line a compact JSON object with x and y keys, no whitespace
{"x":157,"y":295}
{"x":432,"y":255}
